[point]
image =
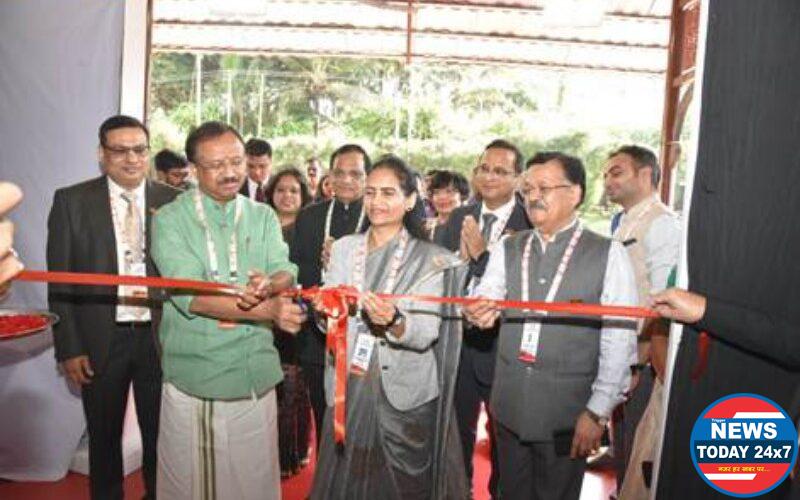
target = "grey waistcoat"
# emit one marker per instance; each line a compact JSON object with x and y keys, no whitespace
{"x":535,"y":400}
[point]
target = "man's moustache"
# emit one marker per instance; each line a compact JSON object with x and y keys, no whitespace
{"x":534,"y":205}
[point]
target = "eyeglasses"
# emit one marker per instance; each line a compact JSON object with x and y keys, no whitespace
{"x":236,"y":162}
{"x":120,"y":152}
{"x":528,"y":191}
{"x":340,"y":174}
{"x":485,"y":171}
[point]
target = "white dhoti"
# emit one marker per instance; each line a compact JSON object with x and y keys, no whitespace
{"x":225,"y":449}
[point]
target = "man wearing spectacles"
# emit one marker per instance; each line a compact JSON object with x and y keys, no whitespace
{"x":259,"y":168}
{"x":173,"y":169}
{"x":219,"y":359}
{"x":105,"y":340}
{"x":557,"y":380}
{"x":474,"y":230}
{"x":316,"y":227}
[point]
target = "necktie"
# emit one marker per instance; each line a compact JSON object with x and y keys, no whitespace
{"x":133,"y":228}
{"x":488,"y":222}
{"x":260,"y":193}
{"x":615,"y":222}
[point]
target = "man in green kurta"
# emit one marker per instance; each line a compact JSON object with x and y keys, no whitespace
{"x":218,"y":434}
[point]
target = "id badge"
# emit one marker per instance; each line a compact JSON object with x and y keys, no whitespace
{"x":529,"y":345}
{"x":131,"y":291}
{"x":362,"y":353}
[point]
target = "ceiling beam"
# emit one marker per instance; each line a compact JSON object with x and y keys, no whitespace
{"x":512,"y":6}
{"x":400,"y":57}
{"x":432,"y":32}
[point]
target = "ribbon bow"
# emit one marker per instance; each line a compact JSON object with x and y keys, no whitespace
{"x":335,"y":303}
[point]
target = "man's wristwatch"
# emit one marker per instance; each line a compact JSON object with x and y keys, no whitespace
{"x":599,"y":420}
{"x":396,"y":319}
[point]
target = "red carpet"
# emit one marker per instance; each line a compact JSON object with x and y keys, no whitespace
{"x":596,"y":486}
{"x":76,"y":486}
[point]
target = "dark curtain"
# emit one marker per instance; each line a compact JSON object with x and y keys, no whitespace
{"x":744,"y":239}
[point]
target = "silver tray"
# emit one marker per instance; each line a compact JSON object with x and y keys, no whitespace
{"x":51,"y":319}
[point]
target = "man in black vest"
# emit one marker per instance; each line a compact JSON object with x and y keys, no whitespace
{"x":557,"y":379}
{"x":106,"y":337}
{"x":316,"y":228}
{"x":473,"y":230}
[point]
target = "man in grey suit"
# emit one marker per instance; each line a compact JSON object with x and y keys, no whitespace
{"x":105,"y":340}
{"x":557,"y":378}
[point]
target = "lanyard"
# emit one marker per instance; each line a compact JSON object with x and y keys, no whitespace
{"x":329,"y":217}
{"x":531,"y":330}
{"x":365,"y":342}
{"x":360,"y":268}
{"x":233,"y":252}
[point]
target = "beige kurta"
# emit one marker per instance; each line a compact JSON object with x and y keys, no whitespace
{"x":644,"y":446}
{"x":647,"y":263}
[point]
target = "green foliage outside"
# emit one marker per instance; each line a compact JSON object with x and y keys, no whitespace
{"x":435,"y":116}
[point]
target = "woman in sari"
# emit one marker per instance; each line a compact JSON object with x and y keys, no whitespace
{"x":400,"y":439}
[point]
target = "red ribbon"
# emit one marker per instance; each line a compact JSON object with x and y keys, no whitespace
{"x":350,"y":293}
{"x":336,"y":306}
{"x":98,"y":279}
{"x":335,"y":302}
{"x":579,"y":309}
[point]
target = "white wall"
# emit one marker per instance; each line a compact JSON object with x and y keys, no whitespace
{"x":60,"y":65}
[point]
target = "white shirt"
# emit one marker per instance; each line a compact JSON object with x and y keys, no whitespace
{"x":119,"y":207}
{"x":617,"y":335}
{"x":503,"y":213}
{"x":252,"y":188}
